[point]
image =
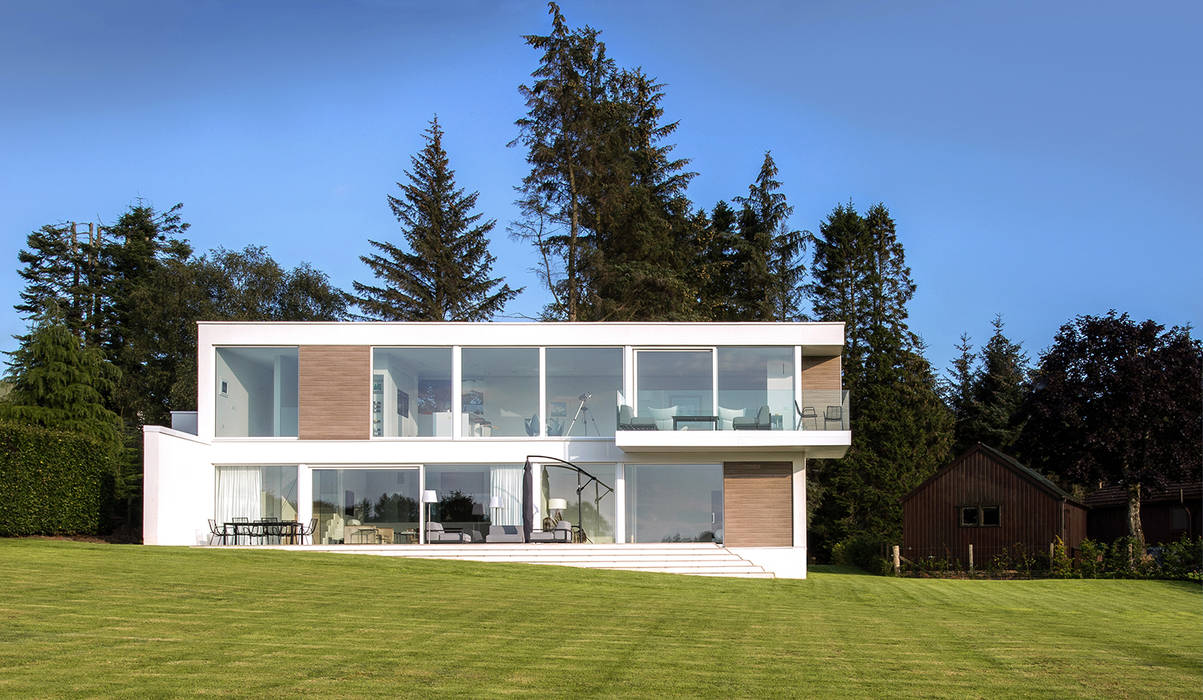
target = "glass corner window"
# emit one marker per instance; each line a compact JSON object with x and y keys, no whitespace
{"x":256,"y":392}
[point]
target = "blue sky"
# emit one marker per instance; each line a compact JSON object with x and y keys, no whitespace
{"x":1042,"y":160}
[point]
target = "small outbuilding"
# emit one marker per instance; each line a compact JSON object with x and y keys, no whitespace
{"x":990,"y":500}
{"x":1165,"y":514}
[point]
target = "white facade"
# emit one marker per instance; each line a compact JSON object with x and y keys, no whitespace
{"x":477,"y":427}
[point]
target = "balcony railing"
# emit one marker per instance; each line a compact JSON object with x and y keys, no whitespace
{"x":816,"y":409}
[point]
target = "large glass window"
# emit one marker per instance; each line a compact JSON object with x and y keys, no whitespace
{"x":411,"y":392}
{"x":365,"y":506}
{"x":256,"y":493}
{"x":256,"y":392}
{"x":594,"y":509}
{"x":582,"y":391}
{"x":471,"y":497}
{"x":751,"y":378}
{"x":500,"y":392}
{"x":674,"y":503}
{"x":673,"y":383}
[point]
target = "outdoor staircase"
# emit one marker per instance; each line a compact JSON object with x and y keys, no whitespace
{"x":693,"y":559}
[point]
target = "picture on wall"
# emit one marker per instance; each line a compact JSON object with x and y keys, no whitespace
{"x":434,"y":396}
{"x":402,"y":404}
{"x":474,"y":402}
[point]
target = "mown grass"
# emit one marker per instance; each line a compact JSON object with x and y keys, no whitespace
{"x":104,"y":620}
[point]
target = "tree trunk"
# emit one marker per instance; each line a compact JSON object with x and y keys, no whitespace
{"x":573,"y":297}
{"x":1134,"y":526}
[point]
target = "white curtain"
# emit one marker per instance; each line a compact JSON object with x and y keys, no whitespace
{"x":506,"y":483}
{"x":239,"y":493}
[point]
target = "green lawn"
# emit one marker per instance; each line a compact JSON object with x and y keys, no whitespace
{"x":104,"y":620}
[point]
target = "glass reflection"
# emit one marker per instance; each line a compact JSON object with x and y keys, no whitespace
{"x":674,"y":502}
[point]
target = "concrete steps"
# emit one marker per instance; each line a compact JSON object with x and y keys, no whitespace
{"x":692,"y":559}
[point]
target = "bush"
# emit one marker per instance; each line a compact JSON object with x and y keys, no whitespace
{"x":1182,"y":559}
{"x":861,"y":551}
{"x":1090,"y":558}
{"x":52,"y":482}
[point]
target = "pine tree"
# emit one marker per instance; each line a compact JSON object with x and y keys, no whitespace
{"x":957,"y":389}
{"x":999,"y":388}
{"x":58,"y":383}
{"x":441,"y":273}
{"x":767,"y":252}
{"x":901,"y":431}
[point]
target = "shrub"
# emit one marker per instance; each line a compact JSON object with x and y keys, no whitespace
{"x":52,"y":482}
{"x":1090,"y":558}
{"x":1182,"y":559}
{"x":861,"y":551}
{"x":1061,"y":566}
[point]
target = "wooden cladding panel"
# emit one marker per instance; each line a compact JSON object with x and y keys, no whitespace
{"x":758,"y":504}
{"x":335,"y":386}
{"x":1028,"y":514}
{"x":821,"y":373}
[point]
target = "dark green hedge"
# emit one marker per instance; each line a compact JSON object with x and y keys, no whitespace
{"x":52,"y":482}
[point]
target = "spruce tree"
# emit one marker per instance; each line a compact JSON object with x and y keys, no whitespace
{"x":768,"y":253}
{"x":901,"y":431}
{"x":999,"y":388}
{"x":441,"y":272}
{"x":58,"y":383}
{"x":957,"y":389}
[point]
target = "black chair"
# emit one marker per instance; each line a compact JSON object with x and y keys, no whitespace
{"x":214,"y":532}
{"x":762,"y":421}
{"x":834,"y":414}
{"x":242,"y":526}
{"x":805,"y":414}
{"x":303,"y":532}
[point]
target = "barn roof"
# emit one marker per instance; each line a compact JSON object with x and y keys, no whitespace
{"x":1118,"y":495}
{"x":1031,"y":475}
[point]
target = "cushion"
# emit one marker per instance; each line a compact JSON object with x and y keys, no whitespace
{"x":726,"y":415}
{"x":663,"y":417}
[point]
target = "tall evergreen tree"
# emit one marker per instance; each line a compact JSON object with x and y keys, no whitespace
{"x":999,"y":389}
{"x":63,"y":276}
{"x":768,"y":253}
{"x":604,"y":202}
{"x":957,"y":389}
{"x":59,"y":383}
{"x":901,"y":430}
{"x":441,"y":273}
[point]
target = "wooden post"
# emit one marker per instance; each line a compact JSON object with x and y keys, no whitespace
{"x":1051,"y":549}
{"x":897,"y":561}
{"x":971,"y":559}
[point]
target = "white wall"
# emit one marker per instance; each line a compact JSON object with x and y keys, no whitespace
{"x":177,"y":488}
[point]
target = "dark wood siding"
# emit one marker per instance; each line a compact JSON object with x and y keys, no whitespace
{"x":758,"y":504}
{"x":335,"y":388}
{"x":1028,"y":514}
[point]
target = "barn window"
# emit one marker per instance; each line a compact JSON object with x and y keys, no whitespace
{"x":979,"y":516}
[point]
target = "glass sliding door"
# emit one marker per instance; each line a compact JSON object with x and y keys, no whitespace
{"x":594,"y":510}
{"x":500,"y":392}
{"x":472,"y":497}
{"x":256,"y":493}
{"x":256,"y":392}
{"x":750,"y":378}
{"x":582,"y":391}
{"x":366,"y":506}
{"x":411,"y":392}
{"x":674,"y":502}
{"x":672,"y":383}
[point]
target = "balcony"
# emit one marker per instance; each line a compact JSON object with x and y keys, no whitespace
{"x":817,"y":423}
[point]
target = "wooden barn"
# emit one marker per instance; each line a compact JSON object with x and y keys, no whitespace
{"x":1165,"y":514}
{"x":987,"y":499}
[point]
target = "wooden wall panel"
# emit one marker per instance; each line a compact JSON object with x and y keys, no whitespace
{"x":821,"y":373}
{"x":335,"y":392}
{"x":1028,"y":515}
{"x":758,"y":504}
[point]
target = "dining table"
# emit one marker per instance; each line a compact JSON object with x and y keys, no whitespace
{"x":283,"y":531}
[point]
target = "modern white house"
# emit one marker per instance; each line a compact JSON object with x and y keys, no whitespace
{"x":403,"y":435}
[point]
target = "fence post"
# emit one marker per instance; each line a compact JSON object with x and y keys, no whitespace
{"x":897,"y":561}
{"x":971,"y":559}
{"x":1051,"y":549}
